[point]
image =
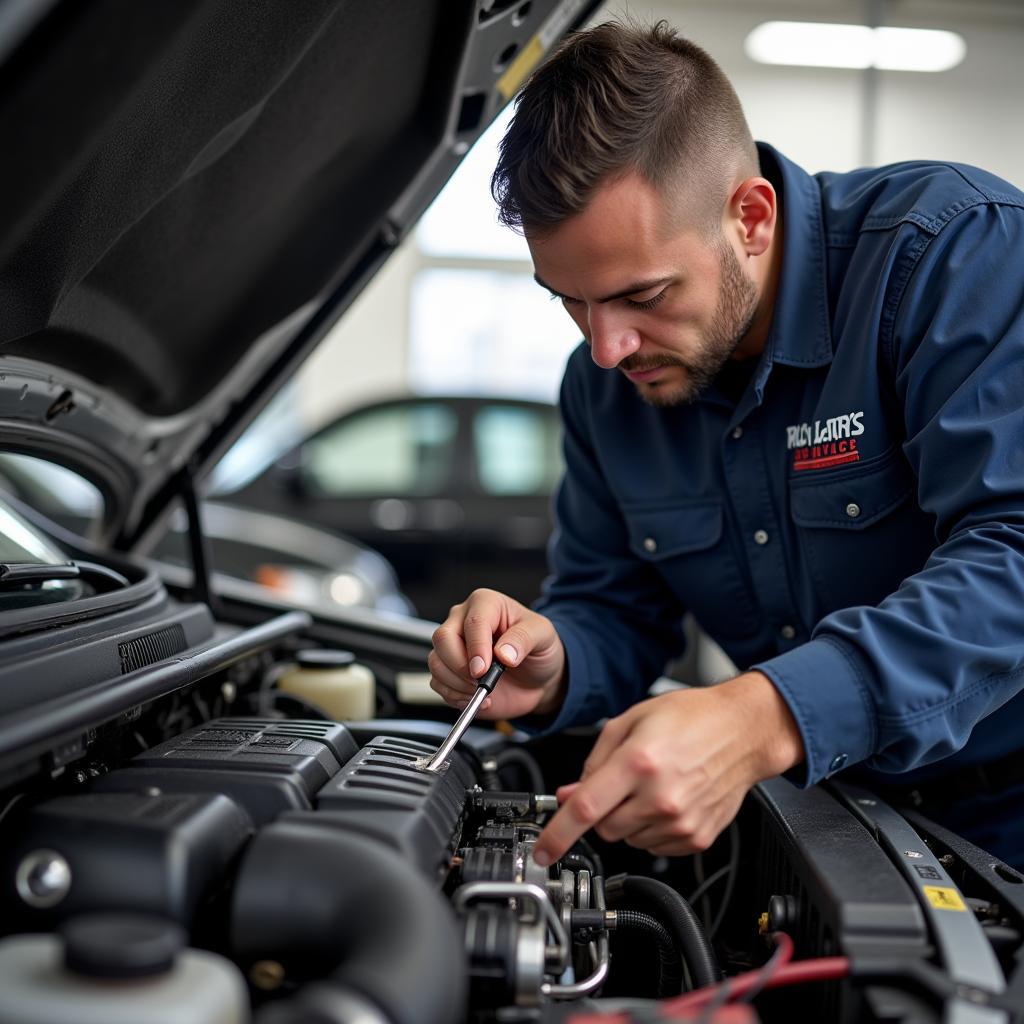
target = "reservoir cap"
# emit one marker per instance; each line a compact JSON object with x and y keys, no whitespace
{"x":121,"y":945}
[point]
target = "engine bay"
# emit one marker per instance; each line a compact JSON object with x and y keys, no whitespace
{"x":189,"y":842}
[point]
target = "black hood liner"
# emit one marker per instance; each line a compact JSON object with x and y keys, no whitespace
{"x":188,"y":173}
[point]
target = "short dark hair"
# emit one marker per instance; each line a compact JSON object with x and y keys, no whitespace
{"x":614,"y":99}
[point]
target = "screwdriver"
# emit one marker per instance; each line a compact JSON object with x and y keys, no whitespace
{"x":484,"y":685}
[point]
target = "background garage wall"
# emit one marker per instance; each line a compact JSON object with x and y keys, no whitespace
{"x":824,"y":119}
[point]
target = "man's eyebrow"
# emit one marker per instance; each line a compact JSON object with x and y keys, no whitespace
{"x":637,"y":286}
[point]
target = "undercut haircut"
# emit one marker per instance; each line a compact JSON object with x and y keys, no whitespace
{"x":620,"y":98}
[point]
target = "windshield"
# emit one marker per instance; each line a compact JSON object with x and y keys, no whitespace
{"x":20,"y":542}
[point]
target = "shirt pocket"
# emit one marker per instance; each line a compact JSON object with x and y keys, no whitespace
{"x":685,"y":543}
{"x":860,"y":529}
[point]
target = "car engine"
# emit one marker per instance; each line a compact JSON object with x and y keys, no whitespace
{"x":183,"y":840}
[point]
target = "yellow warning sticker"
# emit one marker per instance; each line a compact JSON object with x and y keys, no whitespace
{"x":944,"y":898}
{"x":519,"y":69}
{"x":530,"y":55}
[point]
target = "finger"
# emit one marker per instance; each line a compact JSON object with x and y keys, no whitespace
{"x":448,"y":642}
{"x":611,"y":737}
{"x":455,"y":690}
{"x":482,"y":620}
{"x":515,"y":644}
{"x":674,"y":838}
{"x":669,"y":848}
{"x":444,"y":675}
{"x":453,"y":698}
{"x":628,"y":819}
{"x":589,"y":804}
{"x":564,"y":792}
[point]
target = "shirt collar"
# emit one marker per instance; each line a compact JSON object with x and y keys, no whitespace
{"x":800,"y":334}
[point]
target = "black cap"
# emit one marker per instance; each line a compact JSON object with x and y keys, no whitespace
{"x":121,"y":945}
{"x":321,"y":657}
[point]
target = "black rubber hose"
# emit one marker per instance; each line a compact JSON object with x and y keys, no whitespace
{"x":324,"y":902}
{"x":670,"y":974}
{"x":529,"y":765}
{"x":671,"y":908}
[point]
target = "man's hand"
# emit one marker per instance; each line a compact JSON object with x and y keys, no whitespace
{"x":669,"y":774}
{"x":487,"y":625}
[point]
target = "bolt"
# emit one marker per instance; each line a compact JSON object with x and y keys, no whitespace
{"x":267,"y":975}
{"x":43,"y":878}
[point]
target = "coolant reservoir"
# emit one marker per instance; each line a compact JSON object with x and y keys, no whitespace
{"x":117,"y":969}
{"x":334,"y":682}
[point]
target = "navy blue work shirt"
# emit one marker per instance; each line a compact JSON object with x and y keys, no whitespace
{"x":853,"y":525}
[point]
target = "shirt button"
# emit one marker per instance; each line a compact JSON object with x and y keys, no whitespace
{"x":650,"y":544}
{"x":760,"y":537}
{"x":838,"y":762}
{"x":788,"y":632}
{"x":853,"y":510}
{"x":737,"y":433}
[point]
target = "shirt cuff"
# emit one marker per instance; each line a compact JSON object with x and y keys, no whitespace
{"x":824,"y":684}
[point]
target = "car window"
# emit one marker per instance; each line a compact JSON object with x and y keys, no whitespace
{"x":517,"y":449}
{"x":395,"y":450}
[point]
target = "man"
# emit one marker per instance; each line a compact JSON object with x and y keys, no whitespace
{"x":798,"y":415}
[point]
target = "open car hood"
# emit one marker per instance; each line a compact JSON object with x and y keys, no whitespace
{"x":193,"y":191}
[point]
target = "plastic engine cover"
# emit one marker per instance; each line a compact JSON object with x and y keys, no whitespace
{"x":380,"y":793}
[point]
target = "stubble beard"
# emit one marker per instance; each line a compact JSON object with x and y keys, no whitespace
{"x":734,"y":313}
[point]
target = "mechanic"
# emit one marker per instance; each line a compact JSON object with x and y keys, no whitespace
{"x":798,"y":415}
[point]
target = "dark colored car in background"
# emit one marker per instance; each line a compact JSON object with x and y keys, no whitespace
{"x":455,"y":491}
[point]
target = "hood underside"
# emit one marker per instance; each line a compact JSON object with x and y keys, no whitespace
{"x":193,"y":190}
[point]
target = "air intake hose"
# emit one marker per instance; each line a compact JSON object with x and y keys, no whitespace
{"x":670,"y":970}
{"x":677,"y":915}
{"x":325,"y":902}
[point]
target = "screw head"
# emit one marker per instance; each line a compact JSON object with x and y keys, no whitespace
{"x":43,"y":878}
{"x":267,"y":975}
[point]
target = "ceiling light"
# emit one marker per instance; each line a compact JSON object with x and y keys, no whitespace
{"x":826,"y":45}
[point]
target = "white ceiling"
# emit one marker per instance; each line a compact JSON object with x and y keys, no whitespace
{"x":837,"y":119}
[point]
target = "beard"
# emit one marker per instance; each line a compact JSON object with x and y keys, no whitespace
{"x":734,"y":313}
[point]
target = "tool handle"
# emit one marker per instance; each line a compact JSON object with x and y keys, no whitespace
{"x":490,"y":678}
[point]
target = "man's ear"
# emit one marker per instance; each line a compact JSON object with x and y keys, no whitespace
{"x":752,"y":210}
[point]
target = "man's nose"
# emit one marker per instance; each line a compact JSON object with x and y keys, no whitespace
{"x":612,"y":338}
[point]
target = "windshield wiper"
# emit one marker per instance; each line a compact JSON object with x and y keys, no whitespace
{"x":30,"y":572}
{"x":17,"y":573}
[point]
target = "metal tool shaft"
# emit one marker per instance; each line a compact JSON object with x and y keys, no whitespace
{"x":463,"y":723}
{"x":484,"y":687}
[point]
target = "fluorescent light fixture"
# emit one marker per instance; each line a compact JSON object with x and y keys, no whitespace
{"x":826,"y":45}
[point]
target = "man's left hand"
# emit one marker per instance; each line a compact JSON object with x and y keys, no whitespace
{"x":670,"y":773}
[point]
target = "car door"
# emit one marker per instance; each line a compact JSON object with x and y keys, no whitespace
{"x":384,"y":475}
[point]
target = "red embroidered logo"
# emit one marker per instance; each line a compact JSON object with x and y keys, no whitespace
{"x":824,"y":444}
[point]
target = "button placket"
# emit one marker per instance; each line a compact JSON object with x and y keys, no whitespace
{"x":749,"y":490}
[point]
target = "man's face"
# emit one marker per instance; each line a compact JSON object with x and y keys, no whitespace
{"x":656,"y":300}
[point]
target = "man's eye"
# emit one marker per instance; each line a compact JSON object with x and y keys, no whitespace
{"x":647,"y":303}
{"x":566,"y":301}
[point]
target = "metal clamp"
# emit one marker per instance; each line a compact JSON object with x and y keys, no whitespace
{"x":471,"y":891}
{"x":599,"y":955}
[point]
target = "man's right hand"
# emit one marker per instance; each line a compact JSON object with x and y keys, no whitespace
{"x":489,"y":625}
